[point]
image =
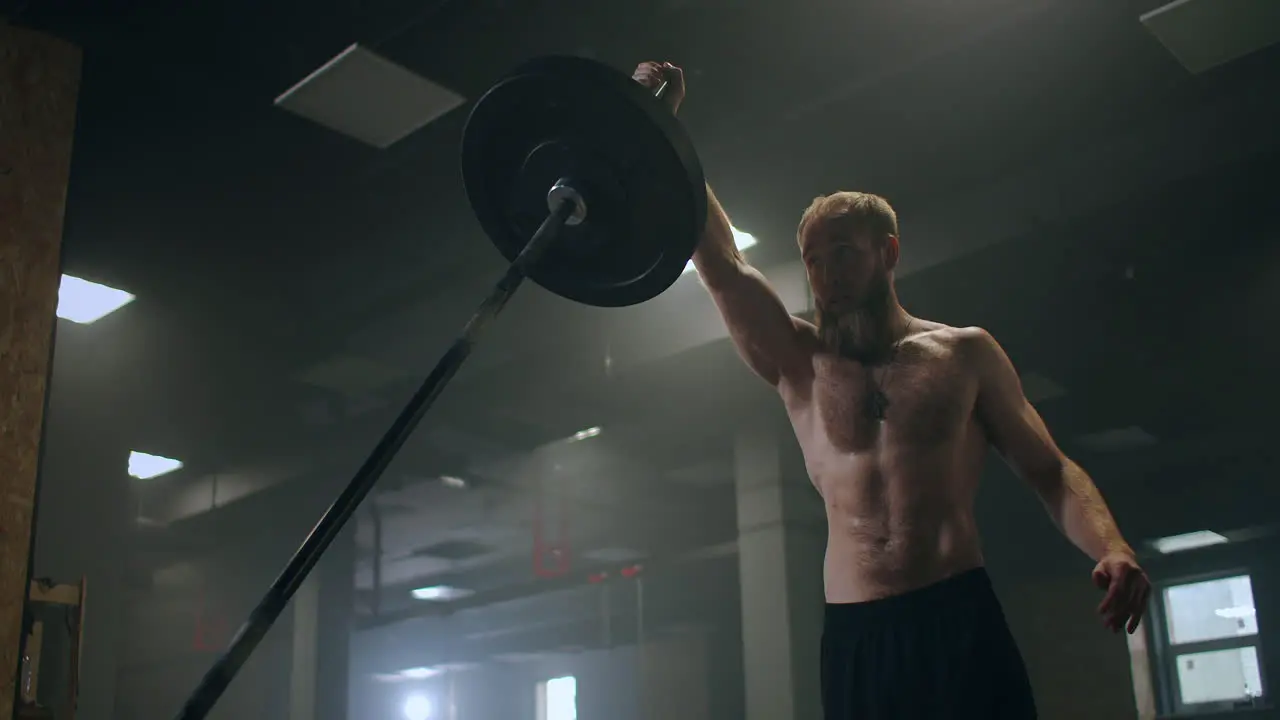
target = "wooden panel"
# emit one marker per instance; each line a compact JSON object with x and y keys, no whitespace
{"x":39,"y":81}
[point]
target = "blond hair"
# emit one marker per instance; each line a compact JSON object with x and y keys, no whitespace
{"x":855,"y":211}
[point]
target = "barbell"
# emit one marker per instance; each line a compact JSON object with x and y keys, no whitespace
{"x":588,"y":185}
{"x":571,"y":129}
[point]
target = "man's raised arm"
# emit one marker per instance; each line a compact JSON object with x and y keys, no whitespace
{"x":769,"y":339}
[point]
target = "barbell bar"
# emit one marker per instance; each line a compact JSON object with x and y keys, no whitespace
{"x":589,"y":186}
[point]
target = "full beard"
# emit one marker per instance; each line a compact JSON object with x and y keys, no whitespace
{"x":862,"y":332}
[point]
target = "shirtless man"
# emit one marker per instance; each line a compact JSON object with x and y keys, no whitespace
{"x":894,"y":415}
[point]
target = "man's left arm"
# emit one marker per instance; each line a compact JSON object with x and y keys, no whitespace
{"x":1019,"y":434}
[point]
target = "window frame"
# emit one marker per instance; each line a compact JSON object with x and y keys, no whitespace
{"x":1165,"y":653}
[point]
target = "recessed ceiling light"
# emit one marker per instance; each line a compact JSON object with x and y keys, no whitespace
{"x":453,"y":482}
{"x":741,"y":240}
{"x":440,"y":593}
{"x":1203,"y":34}
{"x":419,"y":673}
{"x":145,"y":467}
{"x":1187,"y":541}
{"x":584,"y":434}
{"x":81,"y":301}
{"x":367,"y":97}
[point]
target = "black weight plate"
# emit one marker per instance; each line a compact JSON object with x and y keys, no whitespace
{"x":619,"y":146}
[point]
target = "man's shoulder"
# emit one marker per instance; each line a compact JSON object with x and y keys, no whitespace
{"x":949,"y":335}
{"x":970,"y":344}
{"x":807,"y":333}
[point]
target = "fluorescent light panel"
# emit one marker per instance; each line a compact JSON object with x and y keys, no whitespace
{"x":408,"y":675}
{"x":742,"y":240}
{"x":584,"y":434}
{"x":145,"y":467}
{"x":81,"y":301}
{"x":1203,"y":34}
{"x":452,"y":481}
{"x":440,"y":593}
{"x":367,"y":97}
{"x":1187,"y":541}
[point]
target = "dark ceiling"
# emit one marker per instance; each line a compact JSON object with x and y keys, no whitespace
{"x":1061,"y":181}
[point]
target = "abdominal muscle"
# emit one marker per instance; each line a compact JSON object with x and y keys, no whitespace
{"x":897,"y":520}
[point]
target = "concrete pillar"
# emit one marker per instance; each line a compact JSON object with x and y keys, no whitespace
{"x":781,"y":542}
{"x":674,"y":672}
{"x":39,"y":85}
{"x":300,"y":671}
{"x":321,"y":636}
{"x":303,"y":682}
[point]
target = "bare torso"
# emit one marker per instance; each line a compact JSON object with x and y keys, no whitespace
{"x":898,"y":492}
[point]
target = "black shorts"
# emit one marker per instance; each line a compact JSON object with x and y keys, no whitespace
{"x":943,"y":651}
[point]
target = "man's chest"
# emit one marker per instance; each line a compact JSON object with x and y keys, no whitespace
{"x":925,"y":397}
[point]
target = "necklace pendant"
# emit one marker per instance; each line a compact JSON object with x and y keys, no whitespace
{"x":879,"y":405}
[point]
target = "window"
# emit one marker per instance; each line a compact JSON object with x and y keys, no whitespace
{"x":558,"y":699}
{"x":1209,"y":648}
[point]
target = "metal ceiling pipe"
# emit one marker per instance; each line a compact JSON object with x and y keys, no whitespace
{"x":523,"y":591}
{"x":640,"y":612}
{"x":376,"y":600}
{"x":606,"y":616}
{"x":560,"y":551}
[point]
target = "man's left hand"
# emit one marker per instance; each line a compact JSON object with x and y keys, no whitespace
{"x":1127,"y":589}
